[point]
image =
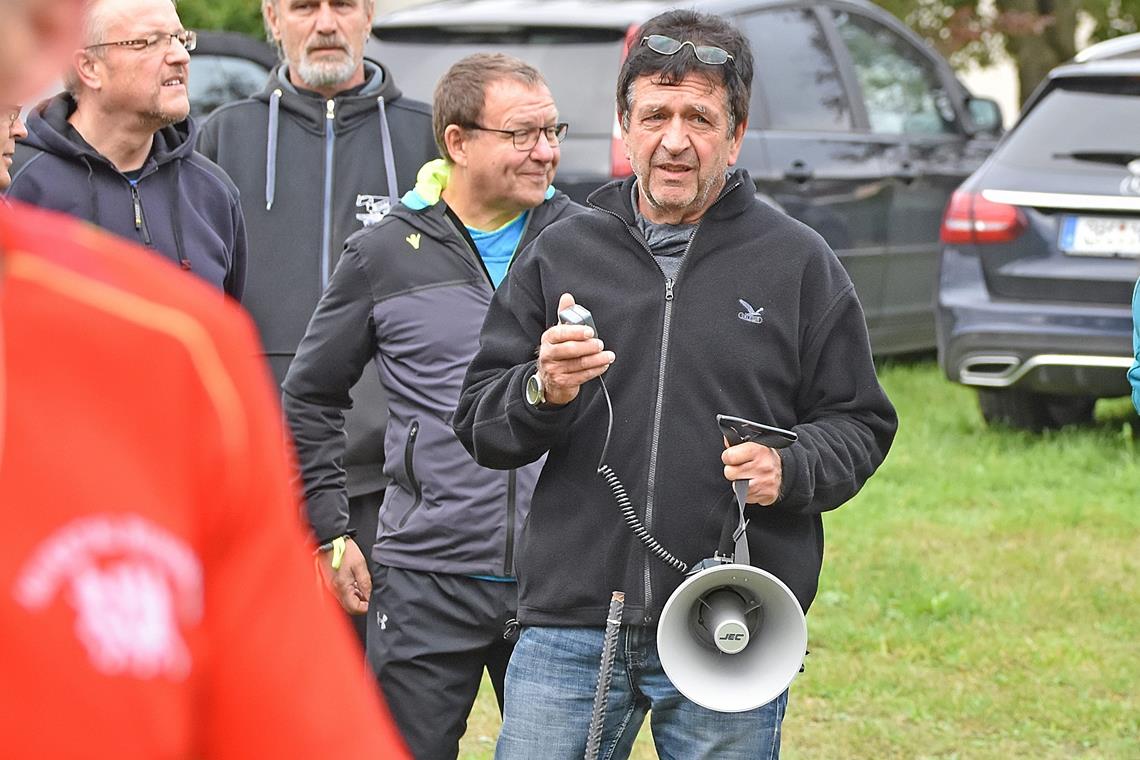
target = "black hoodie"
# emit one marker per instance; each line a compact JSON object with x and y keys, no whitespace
{"x":685,"y":351}
{"x":312,"y":172}
{"x":181,"y":204}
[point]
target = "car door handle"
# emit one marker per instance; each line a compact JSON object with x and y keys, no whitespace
{"x":799,"y":172}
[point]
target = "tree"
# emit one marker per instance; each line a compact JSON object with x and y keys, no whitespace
{"x":1036,"y":34}
{"x":233,"y":15}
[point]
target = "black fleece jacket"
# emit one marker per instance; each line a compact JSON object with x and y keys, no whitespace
{"x":797,"y":357}
{"x":181,"y":205}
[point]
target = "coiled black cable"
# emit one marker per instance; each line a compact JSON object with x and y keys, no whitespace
{"x":628,"y":513}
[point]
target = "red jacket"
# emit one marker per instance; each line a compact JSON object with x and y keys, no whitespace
{"x":157,"y":594}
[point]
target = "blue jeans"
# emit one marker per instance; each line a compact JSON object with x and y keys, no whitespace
{"x":550,"y":687}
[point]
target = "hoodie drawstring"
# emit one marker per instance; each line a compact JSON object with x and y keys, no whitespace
{"x":176,"y":214}
{"x":389,"y":159}
{"x":97,"y":218}
{"x":271,"y":149}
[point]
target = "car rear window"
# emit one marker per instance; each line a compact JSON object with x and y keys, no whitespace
{"x":579,"y":65}
{"x":1082,"y":120}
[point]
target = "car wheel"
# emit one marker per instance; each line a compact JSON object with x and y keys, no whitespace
{"x":1024,"y":410}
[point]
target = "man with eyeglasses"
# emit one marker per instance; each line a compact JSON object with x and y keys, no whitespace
{"x":117,"y":149}
{"x":408,"y":296}
{"x":12,"y":129}
{"x":664,"y":266}
{"x":324,"y":150}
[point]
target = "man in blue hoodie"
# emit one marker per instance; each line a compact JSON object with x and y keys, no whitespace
{"x":117,"y":149}
{"x":408,"y":297}
{"x":324,"y":150}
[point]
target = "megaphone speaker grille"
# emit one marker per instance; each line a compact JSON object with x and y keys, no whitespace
{"x":732,"y":638}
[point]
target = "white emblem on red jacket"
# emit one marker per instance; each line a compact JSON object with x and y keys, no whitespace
{"x":133,"y":586}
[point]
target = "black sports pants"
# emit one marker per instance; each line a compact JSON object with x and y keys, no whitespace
{"x":430,"y":636}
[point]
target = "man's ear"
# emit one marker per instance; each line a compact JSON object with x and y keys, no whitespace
{"x":455,"y":140}
{"x":737,"y":141}
{"x":269,"y":13}
{"x":87,"y":69}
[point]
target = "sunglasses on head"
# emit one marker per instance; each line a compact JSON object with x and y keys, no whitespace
{"x":709,"y":54}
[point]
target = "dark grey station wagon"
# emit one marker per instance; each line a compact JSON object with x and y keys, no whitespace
{"x":857,"y":127}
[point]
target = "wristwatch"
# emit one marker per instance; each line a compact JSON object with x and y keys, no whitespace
{"x":533,"y":392}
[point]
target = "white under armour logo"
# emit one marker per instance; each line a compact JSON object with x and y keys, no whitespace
{"x":755,"y":316}
{"x":382,"y":620}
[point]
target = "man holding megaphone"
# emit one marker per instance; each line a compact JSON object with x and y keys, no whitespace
{"x":699,"y":299}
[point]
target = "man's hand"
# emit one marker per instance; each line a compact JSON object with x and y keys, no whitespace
{"x":351,"y":584}
{"x":759,"y":465}
{"x":568,"y":356}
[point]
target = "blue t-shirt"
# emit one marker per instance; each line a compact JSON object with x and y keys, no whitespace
{"x":498,"y":246}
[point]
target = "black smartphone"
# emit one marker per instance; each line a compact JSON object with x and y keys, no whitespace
{"x":739,"y":430}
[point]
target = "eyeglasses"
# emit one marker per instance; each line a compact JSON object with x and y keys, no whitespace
{"x":12,"y":114}
{"x":709,"y":54}
{"x":526,"y":139}
{"x":189,"y":40}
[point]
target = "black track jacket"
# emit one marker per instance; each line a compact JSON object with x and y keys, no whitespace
{"x":409,"y":296}
{"x":798,"y":356}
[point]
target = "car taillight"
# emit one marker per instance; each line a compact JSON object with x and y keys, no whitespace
{"x":619,"y":161}
{"x":970,"y":218}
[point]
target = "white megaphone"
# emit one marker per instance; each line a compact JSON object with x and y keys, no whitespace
{"x":732,"y":637}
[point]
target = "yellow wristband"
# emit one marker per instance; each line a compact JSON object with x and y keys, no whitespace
{"x":338,"y":546}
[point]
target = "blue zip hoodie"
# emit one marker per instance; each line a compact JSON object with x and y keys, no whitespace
{"x":181,"y":204}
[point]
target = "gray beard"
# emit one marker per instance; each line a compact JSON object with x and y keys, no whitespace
{"x":326,"y":74}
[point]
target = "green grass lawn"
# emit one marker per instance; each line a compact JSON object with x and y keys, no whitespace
{"x":979,"y":598}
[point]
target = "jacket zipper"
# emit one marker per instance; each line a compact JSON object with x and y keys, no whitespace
{"x":522,"y":237}
{"x":140,"y":220}
{"x":512,"y":487}
{"x":474,"y":253}
{"x":326,"y":239}
{"x":409,"y":470}
{"x":670,"y":284}
{"x":512,"y":475}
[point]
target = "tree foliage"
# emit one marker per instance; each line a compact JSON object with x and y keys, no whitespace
{"x":233,"y":15}
{"x":1036,"y":34}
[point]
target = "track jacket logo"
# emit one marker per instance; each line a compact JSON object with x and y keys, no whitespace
{"x":755,"y":316}
{"x":376,"y":207}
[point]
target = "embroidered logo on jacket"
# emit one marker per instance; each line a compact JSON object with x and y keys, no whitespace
{"x":755,"y":316}
{"x":414,"y":240}
{"x":132,"y":585}
{"x":376,"y":207}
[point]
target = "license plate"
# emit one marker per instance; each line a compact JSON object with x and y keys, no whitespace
{"x":1100,"y":236}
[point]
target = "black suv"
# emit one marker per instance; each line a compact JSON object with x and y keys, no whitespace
{"x":1042,"y":250}
{"x":857,"y":127}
